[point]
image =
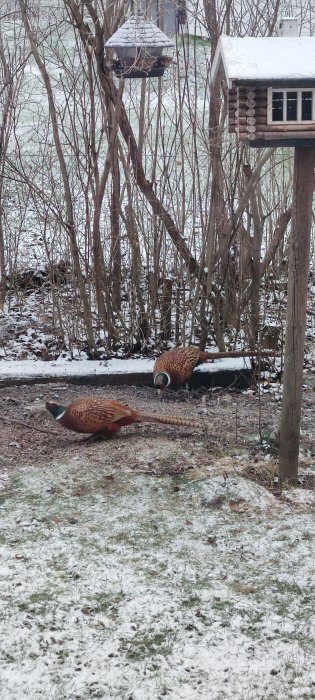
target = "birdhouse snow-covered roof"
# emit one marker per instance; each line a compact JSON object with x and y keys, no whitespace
{"x":268,"y":60}
{"x":139,"y":45}
{"x":138,"y":32}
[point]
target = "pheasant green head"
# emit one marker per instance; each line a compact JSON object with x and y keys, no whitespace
{"x":56,"y":409}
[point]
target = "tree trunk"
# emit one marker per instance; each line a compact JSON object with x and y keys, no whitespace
{"x":116,"y":281}
{"x":69,"y":224}
{"x":166,"y":309}
{"x":258,"y":225}
{"x":217,"y":216}
{"x":303,"y":185}
{"x":7,"y":104}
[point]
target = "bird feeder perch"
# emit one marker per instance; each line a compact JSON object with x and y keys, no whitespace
{"x":139,"y":46}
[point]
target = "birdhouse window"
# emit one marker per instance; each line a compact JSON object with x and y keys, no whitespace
{"x":290,"y":105}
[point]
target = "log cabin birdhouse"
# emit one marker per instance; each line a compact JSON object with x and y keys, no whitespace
{"x":270,"y":83}
{"x":271,"y":86}
{"x":140,"y":47}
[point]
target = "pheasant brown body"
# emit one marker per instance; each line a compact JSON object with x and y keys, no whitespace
{"x":175,"y":367}
{"x":97,"y":416}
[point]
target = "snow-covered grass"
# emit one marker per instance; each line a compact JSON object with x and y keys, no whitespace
{"x":127,"y":586}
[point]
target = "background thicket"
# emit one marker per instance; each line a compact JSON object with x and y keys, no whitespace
{"x":124,"y":202}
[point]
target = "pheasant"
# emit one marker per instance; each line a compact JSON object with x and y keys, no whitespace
{"x":175,"y":367}
{"x":104,"y":418}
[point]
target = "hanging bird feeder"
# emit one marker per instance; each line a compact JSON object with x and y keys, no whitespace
{"x":139,"y":46}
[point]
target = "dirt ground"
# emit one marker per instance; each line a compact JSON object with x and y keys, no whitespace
{"x":232,"y":424}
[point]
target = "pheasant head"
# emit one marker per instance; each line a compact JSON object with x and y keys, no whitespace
{"x":56,"y":409}
{"x":162,"y":380}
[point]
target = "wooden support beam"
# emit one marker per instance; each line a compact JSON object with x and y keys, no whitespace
{"x":299,"y":254}
{"x":287,"y":129}
{"x":284,"y":136}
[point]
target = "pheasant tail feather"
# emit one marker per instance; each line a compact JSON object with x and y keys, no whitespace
{"x":204,"y":356}
{"x":170,"y":420}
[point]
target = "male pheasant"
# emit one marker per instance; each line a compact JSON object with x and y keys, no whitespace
{"x":102,"y":417}
{"x":175,"y":367}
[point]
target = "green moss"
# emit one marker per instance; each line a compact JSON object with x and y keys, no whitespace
{"x":191,"y":602}
{"x":104,"y":602}
{"x":148,"y":645}
{"x":292,"y":588}
{"x":39,"y":602}
{"x":218,"y":605}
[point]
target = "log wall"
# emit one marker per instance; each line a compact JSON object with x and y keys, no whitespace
{"x":247,"y":118}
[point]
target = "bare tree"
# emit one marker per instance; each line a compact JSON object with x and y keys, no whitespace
{"x":70,"y":222}
{"x":12,"y":61}
{"x":171,"y":227}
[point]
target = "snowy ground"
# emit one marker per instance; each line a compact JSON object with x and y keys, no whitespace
{"x":148,"y":566}
{"x":140,"y":588}
{"x":152,"y":565}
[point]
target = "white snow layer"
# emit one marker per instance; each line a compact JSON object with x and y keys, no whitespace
{"x":265,"y":58}
{"x":63,"y":367}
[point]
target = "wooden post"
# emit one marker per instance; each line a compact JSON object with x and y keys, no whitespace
{"x":303,"y":185}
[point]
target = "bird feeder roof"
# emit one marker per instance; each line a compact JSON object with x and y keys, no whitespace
{"x":137,"y":32}
{"x":268,"y":59}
